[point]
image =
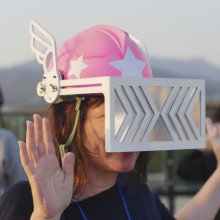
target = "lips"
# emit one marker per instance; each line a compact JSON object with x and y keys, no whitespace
{"x":126,"y":154}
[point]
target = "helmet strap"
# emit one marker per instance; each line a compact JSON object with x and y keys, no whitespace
{"x":64,"y":148}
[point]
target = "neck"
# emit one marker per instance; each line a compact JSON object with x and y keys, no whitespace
{"x":97,"y":182}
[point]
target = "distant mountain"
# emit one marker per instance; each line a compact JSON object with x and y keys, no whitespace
{"x":19,"y":86}
{"x":191,"y":69}
{"x":19,"y":82}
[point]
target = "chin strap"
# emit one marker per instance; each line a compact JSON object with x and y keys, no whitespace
{"x":64,"y":148}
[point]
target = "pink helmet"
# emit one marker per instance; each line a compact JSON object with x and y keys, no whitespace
{"x":103,"y":51}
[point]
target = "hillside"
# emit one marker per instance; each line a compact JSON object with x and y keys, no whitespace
{"x":19,"y":82}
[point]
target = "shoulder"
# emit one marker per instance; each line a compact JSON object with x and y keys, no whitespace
{"x":8,"y":143}
{"x":149,"y":203}
{"x":7,"y":137}
{"x":5,"y":133}
{"x":19,"y":190}
{"x":158,"y":207}
{"x":16,"y":201}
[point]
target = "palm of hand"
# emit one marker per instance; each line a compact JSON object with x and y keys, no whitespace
{"x":52,"y":189}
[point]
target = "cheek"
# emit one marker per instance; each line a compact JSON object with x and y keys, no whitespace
{"x":98,"y":132}
{"x":100,"y":128}
{"x":94,"y":137}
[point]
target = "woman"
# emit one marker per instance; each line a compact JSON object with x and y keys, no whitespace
{"x":88,"y":183}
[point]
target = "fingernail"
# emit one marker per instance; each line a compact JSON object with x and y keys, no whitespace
{"x":28,"y":122}
{"x":20,"y":142}
{"x":35,"y":115}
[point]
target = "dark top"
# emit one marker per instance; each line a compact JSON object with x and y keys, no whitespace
{"x":16,"y":204}
{"x":197,"y":165}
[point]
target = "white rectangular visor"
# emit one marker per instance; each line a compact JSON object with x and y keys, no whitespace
{"x":146,"y":114}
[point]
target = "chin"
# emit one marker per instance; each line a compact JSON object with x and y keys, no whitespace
{"x":125,"y":169}
{"x":125,"y":166}
{"x":123,"y":162}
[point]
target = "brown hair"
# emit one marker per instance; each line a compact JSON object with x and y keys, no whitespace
{"x":62,"y":116}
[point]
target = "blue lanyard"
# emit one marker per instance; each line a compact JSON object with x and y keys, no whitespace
{"x":81,"y":211}
{"x":123,"y":201}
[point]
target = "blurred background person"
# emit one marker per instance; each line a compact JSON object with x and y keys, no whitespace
{"x":11,"y":170}
{"x":198,"y":165}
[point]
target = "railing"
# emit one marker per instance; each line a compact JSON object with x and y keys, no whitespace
{"x":15,"y":120}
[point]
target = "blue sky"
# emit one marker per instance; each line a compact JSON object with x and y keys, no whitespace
{"x":171,"y":29}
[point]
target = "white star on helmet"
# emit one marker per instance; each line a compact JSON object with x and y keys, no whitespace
{"x":129,"y":65}
{"x":76,"y":66}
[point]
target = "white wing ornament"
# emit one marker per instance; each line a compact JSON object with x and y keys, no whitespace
{"x":44,"y":47}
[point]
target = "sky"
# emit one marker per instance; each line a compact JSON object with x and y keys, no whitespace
{"x":187,"y":29}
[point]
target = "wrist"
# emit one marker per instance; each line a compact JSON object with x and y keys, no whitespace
{"x":217,"y":171}
{"x":36,"y":216}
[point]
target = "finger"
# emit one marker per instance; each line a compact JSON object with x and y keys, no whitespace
{"x":25,"y":161}
{"x":216,"y":136}
{"x":30,"y":143}
{"x":209,"y":124}
{"x":39,"y":134}
{"x":47,"y":137}
{"x":218,"y":127}
{"x":211,"y":129}
{"x":213,"y":133}
{"x":68,"y":165}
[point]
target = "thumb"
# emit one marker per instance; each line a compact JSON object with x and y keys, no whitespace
{"x":209,"y":125}
{"x":68,"y":164}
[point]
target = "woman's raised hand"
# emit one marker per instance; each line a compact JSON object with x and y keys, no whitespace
{"x":213,"y":132}
{"x":51,"y":186}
